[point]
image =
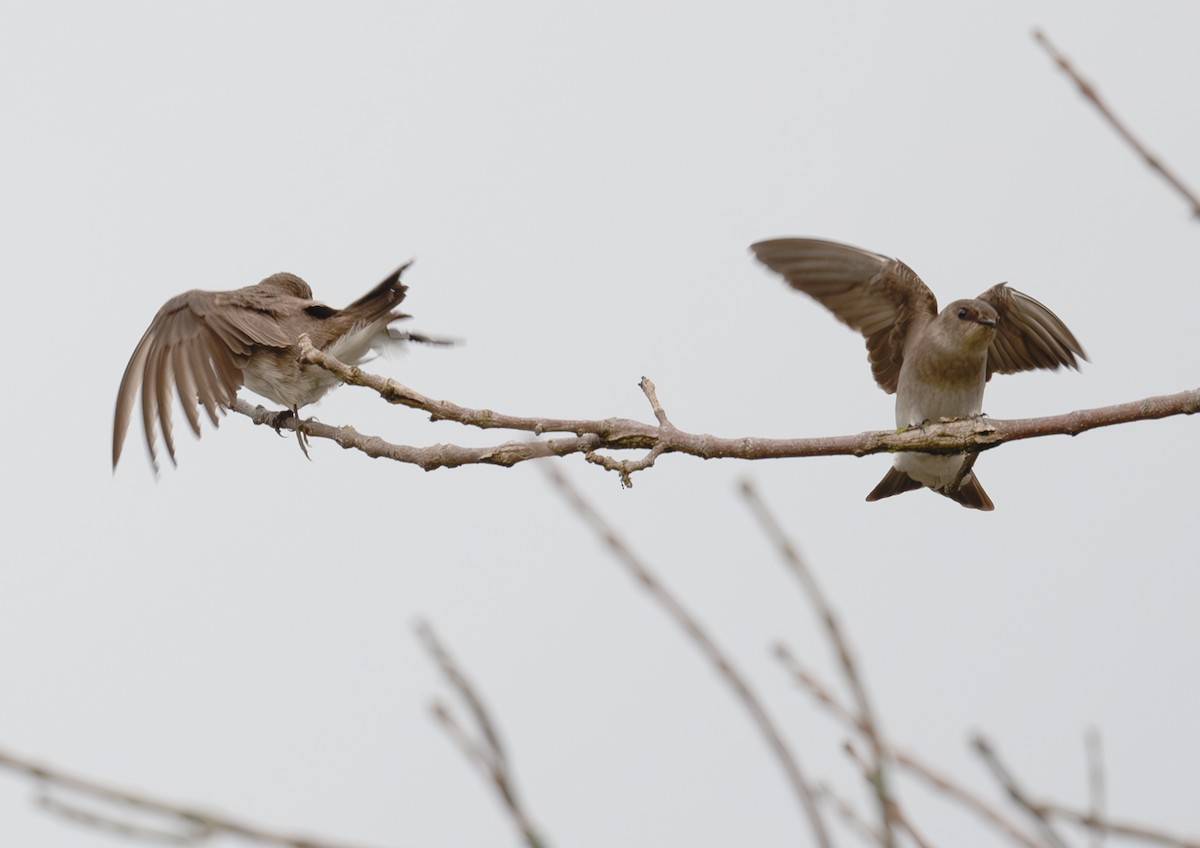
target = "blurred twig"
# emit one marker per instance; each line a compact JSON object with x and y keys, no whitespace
{"x":487,"y":755}
{"x":850,"y":816}
{"x":907,"y":761}
{"x":1006,"y":779}
{"x":1089,"y":92}
{"x":1095,"y":771}
{"x":877,"y":774}
{"x":194,"y":825}
{"x":1127,"y":830}
{"x":696,"y":632}
{"x":895,"y":815}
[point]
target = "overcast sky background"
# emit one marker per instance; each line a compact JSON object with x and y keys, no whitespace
{"x":579,"y":185}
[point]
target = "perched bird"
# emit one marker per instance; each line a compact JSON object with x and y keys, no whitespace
{"x":936,"y":364}
{"x":206,"y":345}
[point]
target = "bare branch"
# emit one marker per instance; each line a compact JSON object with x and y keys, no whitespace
{"x":700,"y":637}
{"x":592,"y":435}
{"x":1089,"y":92}
{"x":877,"y":773}
{"x":907,"y":761}
{"x":1006,"y":779}
{"x":194,"y":824}
{"x":489,"y":755}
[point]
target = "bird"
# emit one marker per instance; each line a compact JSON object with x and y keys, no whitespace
{"x":936,"y":363}
{"x":207,"y":344}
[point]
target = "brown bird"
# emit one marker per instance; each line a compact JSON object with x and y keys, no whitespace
{"x":206,"y":345}
{"x":937,"y":364}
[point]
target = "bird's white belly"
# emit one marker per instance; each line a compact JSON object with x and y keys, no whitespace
{"x":918,"y":401}
{"x":290,"y":384}
{"x":929,"y":469}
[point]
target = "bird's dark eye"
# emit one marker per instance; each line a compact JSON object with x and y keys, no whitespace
{"x":962,"y":312}
{"x":320,"y":310}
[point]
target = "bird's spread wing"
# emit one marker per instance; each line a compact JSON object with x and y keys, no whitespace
{"x":196,"y":344}
{"x":1028,"y":335}
{"x":882,"y":298}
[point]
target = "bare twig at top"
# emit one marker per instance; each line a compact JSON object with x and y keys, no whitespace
{"x":1089,"y":92}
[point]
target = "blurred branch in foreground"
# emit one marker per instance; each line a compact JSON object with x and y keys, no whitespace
{"x":913,"y":765}
{"x":590,"y":436}
{"x":1089,"y":91}
{"x":488,"y":756}
{"x":876,"y":772}
{"x":188,"y":825}
{"x":700,"y":637}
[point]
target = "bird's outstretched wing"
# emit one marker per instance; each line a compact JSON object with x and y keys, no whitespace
{"x":196,"y":344}
{"x":882,"y":298}
{"x":1028,"y":335}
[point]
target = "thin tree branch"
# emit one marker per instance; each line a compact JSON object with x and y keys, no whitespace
{"x":907,"y":761}
{"x":488,"y":755}
{"x":195,"y":825}
{"x":1089,"y":92}
{"x":1006,"y":779}
{"x":700,"y":637}
{"x":592,"y":435}
{"x":877,"y":773}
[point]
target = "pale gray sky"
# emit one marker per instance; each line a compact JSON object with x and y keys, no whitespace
{"x":580,"y":186}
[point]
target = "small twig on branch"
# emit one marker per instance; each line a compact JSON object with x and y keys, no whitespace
{"x":700,"y":637}
{"x":907,"y":761}
{"x":877,"y":773}
{"x":1009,"y":783}
{"x":1089,"y":92}
{"x":194,"y":825}
{"x":968,"y":435}
{"x":487,"y":755}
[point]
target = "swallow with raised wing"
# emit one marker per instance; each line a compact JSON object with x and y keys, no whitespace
{"x":936,"y":363}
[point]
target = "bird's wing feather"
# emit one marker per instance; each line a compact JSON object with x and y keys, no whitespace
{"x":1028,"y":335}
{"x":196,"y":344}
{"x":882,"y":298}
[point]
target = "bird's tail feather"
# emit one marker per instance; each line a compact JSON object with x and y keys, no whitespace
{"x":893,"y":483}
{"x":379,"y":301}
{"x":970,"y":494}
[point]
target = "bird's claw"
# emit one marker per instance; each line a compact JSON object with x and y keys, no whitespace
{"x":302,"y":438}
{"x":276,"y":420}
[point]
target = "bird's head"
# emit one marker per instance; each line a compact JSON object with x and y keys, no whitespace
{"x":288,"y":284}
{"x":973,"y":322}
